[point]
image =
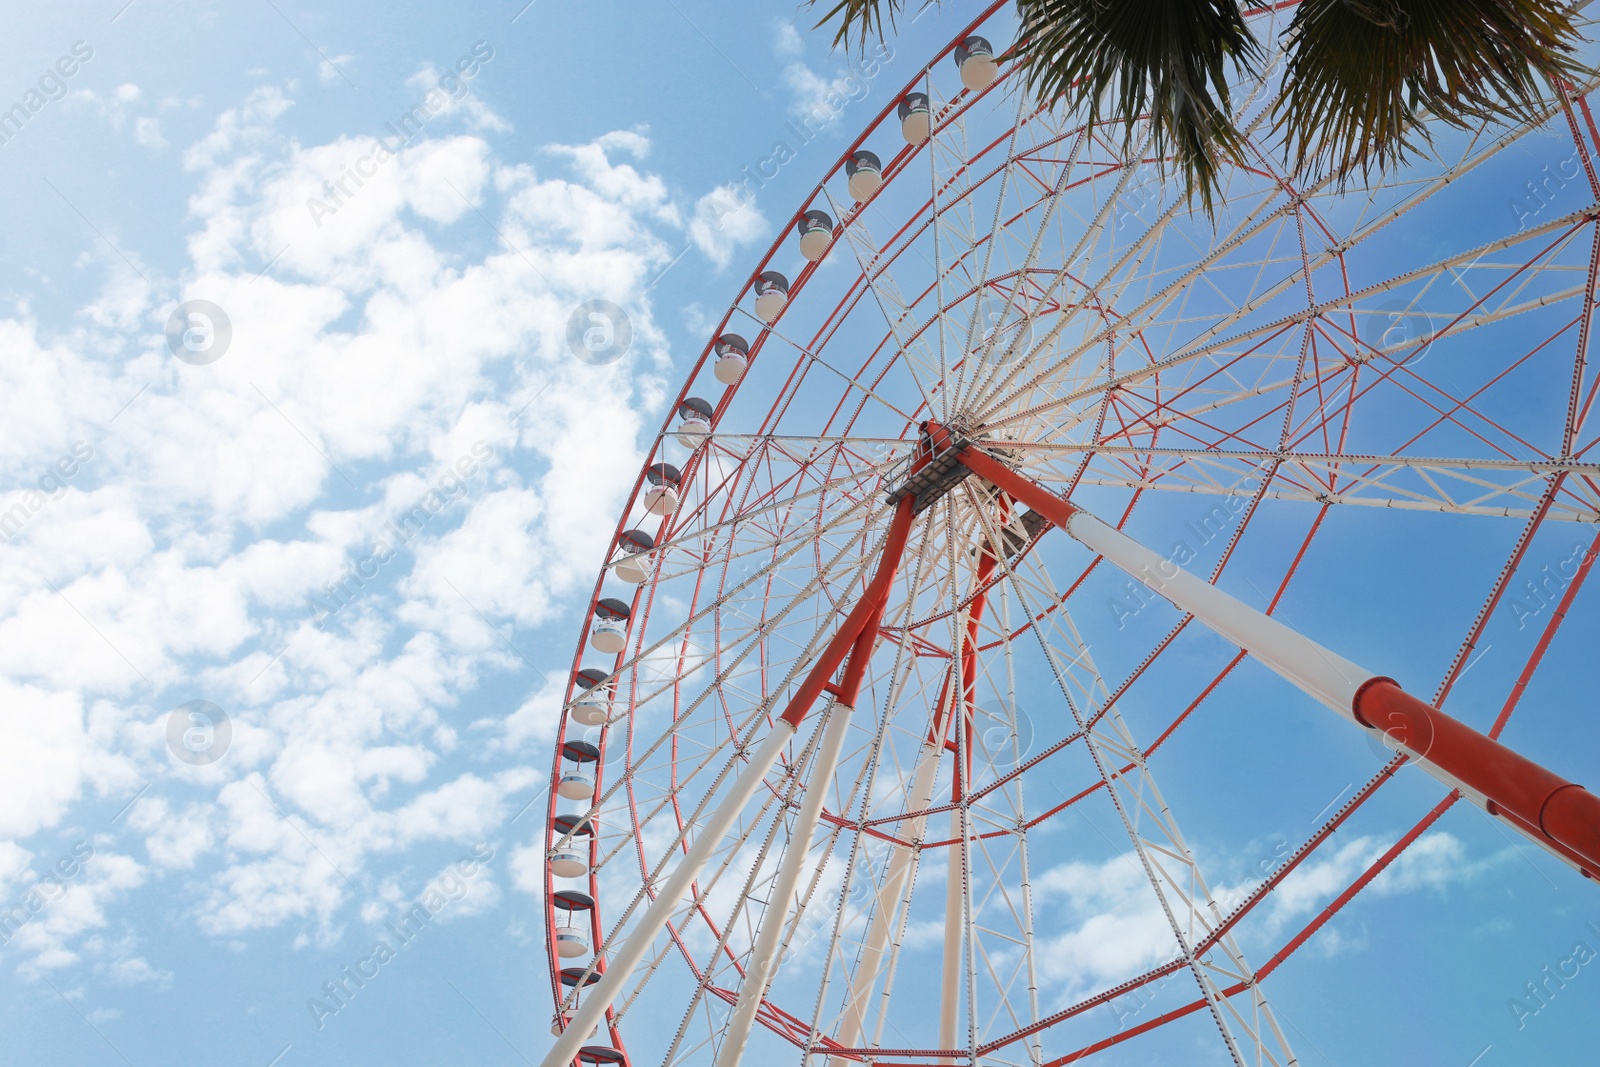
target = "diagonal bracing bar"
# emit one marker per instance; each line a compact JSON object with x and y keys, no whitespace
{"x":1560,"y":816}
{"x":854,"y":640}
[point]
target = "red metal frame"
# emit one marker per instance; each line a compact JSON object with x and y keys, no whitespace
{"x":1116,"y":402}
{"x":1561,"y":815}
{"x":855,"y":638}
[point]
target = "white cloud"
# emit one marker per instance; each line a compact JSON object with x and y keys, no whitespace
{"x":788,"y":41}
{"x":695,"y":319}
{"x":818,"y":98}
{"x":174,"y":839}
{"x":118,"y":108}
{"x":77,"y":906}
{"x":147,"y":132}
{"x":527,"y":869}
{"x":443,"y":178}
{"x":330,"y":67}
{"x":1109,"y":925}
{"x":369,"y":355}
{"x":455,"y":97}
{"x":1105,"y":925}
{"x":43,"y":758}
{"x":1434,"y":862}
{"x":726,"y":219}
{"x":248,"y":125}
{"x":534,"y":723}
{"x":135,"y":970}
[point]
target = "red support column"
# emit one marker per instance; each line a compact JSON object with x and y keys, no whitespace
{"x":988,"y":557}
{"x":860,"y":627}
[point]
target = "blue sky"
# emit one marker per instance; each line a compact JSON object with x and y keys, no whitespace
{"x":408,"y":345}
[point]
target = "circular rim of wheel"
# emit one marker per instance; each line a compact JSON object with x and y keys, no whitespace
{"x":1305,"y":210}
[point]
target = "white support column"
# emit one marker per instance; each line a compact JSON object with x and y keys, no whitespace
{"x":886,"y":909}
{"x":600,"y":996}
{"x":1323,"y":674}
{"x":950,"y":975}
{"x":763,"y":955}
{"x":1330,"y":678}
{"x":1316,"y":671}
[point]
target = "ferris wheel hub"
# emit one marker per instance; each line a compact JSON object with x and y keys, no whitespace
{"x":933,"y":468}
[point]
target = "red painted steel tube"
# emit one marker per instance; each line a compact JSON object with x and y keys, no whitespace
{"x":988,"y":556}
{"x":1375,"y":868}
{"x":855,"y":669}
{"x":969,"y":678}
{"x":864,"y":616}
{"x":1538,"y":802}
{"x":1020,"y":487}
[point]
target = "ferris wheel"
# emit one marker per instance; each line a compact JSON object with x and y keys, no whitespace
{"x":1011,"y":505}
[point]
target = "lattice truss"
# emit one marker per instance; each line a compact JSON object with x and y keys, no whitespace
{"x":1300,"y":355}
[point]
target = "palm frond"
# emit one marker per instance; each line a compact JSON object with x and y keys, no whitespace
{"x":1362,"y":75}
{"x":862,"y":18}
{"x":1119,"y":60}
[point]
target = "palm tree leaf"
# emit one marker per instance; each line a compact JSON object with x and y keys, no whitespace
{"x":1120,"y":60}
{"x":1362,"y":75}
{"x":864,"y":17}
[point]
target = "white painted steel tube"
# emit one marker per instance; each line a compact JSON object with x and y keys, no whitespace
{"x":763,"y":956}
{"x":1319,"y":672}
{"x":621,"y":964}
{"x":955,"y":887}
{"x":1332,"y":679}
{"x":887,"y":907}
